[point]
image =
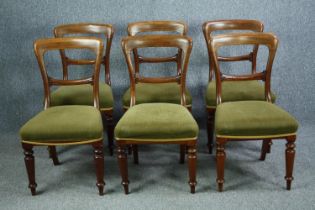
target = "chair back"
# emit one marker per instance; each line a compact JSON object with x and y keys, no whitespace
{"x":183,"y":43}
{"x":226,"y":25}
{"x":86,"y":28}
{"x":266,"y":39}
{"x":41,"y":46}
{"x":157,"y":26}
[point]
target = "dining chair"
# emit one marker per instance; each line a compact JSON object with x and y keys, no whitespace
{"x":231,"y":91}
{"x":159,"y":122}
{"x":68,"y":124}
{"x":162,"y":92}
{"x":157,"y":92}
{"x":68,"y":95}
{"x":251,"y":119}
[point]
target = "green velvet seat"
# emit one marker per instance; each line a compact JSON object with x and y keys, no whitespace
{"x":157,"y":121}
{"x":155,"y":93}
{"x":82,"y":95}
{"x":237,"y":91}
{"x":253,"y":118}
{"x":64,"y":123}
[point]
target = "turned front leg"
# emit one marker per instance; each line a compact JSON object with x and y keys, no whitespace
{"x":99,"y":164}
{"x":220,"y":156}
{"x":122,"y":161}
{"x":192,"y":159}
{"x":30,"y":166}
{"x":289,"y":160}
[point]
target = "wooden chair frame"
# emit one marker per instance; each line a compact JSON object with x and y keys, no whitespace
{"x":271,"y":41}
{"x":137,"y":28}
{"x":91,"y":28}
{"x":157,"y":26}
{"x":129,"y":44}
{"x":41,"y":46}
{"x":226,"y":25}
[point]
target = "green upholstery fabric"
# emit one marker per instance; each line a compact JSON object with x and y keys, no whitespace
{"x":237,"y":91}
{"x":82,"y":95}
{"x":64,"y":123}
{"x":156,"y":93}
{"x":157,"y":121}
{"x":253,"y":118}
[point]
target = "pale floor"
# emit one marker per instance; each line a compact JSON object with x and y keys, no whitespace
{"x":159,"y":182}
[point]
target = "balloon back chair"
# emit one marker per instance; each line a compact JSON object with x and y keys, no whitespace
{"x":231,"y":90}
{"x":251,"y":119}
{"x":157,"y":92}
{"x":160,"y":122}
{"x":68,"y":95}
{"x":68,"y":124}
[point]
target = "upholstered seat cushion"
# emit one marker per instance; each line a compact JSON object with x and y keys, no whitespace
{"x":64,"y":124}
{"x":155,"y":93}
{"x":82,"y":95}
{"x":157,"y":121}
{"x":237,"y":91}
{"x":253,"y":118}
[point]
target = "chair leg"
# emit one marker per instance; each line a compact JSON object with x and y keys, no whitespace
{"x":289,"y":160}
{"x":122,"y":161}
{"x":30,"y":166}
{"x":135,"y":154}
{"x":265,"y":148}
{"x":182,"y":154}
{"x":130,"y":149}
{"x":53,"y":155}
{"x":192,"y":159}
{"x":220,"y":156}
{"x":99,"y":163}
{"x":210,"y":128}
{"x":269,"y":147}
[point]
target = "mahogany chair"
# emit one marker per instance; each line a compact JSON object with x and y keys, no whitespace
{"x":231,"y":91}
{"x":68,"y":95}
{"x":251,"y":119}
{"x":68,"y":124}
{"x":160,"y":122}
{"x":158,"y":92}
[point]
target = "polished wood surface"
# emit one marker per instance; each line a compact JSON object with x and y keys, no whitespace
{"x":122,"y":162}
{"x":158,"y":25}
{"x":271,"y":42}
{"x":226,"y":26}
{"x":99,"y":165}
{"x":41,"y":46}
{"x":265,"y":148}
{"x":137,"y":28}
{"x":96,"y":30}
{"x":192,"y":165}
{"x":129,"y":45}
{"x":30,"y":166}
{"x":83,"y":29}
{"x":266,"y":39}
{"x":289,"y":160}
{"x":175,"y":41}
{"x":53,"y":155}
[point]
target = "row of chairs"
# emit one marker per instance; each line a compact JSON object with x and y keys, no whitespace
{"x":239,"y":107}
